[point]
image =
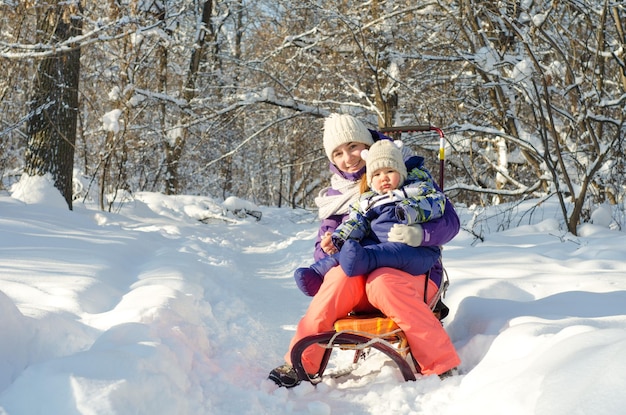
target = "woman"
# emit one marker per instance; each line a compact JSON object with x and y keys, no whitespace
{"x":397,"y":294}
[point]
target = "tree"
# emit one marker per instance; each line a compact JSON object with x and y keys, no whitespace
{"x":54,"y":102}
{"x":227,"y":97}
{"x":550,"y":88}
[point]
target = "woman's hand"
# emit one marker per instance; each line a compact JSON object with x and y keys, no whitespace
{"x":327,"y":244}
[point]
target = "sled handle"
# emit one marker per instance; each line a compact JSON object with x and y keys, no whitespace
{"x":424,"y":128}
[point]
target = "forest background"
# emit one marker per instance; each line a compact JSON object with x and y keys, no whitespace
{"x":227,"y":97}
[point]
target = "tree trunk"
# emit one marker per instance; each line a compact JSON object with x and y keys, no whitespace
{"x":176,"y":142}
{"x":54,"y":103}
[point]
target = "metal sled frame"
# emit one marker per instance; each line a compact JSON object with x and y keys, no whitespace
{"x":391,"y":341}
{"x":357,"y":341}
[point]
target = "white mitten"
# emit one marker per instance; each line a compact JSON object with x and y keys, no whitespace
{"x":412,"y":235}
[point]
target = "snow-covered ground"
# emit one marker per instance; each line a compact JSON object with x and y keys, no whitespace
{"x":149,"y":310}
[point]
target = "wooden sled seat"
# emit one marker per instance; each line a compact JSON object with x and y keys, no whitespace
{"x":377,"y":325}
{"x":374,"y":326}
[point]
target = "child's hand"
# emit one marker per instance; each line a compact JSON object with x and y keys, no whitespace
{"x":327,"y":244}
{"x":410,"y":235}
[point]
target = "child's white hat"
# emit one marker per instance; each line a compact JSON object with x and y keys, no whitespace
{"x":384,"y":154}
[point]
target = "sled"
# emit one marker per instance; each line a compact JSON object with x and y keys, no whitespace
{"x":375,"y":331}
{"x":361,"y":332}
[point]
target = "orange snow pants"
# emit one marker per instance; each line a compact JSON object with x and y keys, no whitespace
{"x":398,"y":295}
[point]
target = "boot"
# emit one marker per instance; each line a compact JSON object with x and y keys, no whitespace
{"x":285,"y":376}
{"x":310,"y":279}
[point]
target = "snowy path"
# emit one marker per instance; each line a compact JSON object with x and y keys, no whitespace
{"x":149,"y":311}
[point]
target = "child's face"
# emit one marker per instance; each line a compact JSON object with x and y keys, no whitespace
{"x":385,"y":180}
{"x":347,"y":157}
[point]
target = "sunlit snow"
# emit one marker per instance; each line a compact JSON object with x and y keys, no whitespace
{"x":155,"y":309}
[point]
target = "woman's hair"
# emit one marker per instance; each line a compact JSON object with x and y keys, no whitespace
{"x":364,"y":187}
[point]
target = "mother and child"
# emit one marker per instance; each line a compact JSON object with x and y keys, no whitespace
{"x":383,"y":222}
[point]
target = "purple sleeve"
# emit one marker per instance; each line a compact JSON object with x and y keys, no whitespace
{"x":328,"y":225}
{"x":441,"y":231}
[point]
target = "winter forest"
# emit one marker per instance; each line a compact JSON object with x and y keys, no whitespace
{"x":227,"y":97}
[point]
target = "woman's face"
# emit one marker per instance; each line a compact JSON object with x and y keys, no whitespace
{"x":347,"y":157}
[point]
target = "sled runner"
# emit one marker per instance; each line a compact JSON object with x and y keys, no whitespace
{"x":364,"y":332}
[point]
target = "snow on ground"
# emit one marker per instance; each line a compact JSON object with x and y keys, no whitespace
{"x":175,"y":305}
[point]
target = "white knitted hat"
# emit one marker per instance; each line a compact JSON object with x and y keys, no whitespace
{"x":343,"y":128}
{"x":384,"y":154}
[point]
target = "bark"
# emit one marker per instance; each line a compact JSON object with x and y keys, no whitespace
{"x":54,"y":103}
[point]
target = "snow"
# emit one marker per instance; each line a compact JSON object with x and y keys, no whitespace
{"x":538,"y":19}
{"x":150,"y":310}
{"x":110,"y":121}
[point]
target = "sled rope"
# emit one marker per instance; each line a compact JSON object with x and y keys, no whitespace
{"x":368,"y":344}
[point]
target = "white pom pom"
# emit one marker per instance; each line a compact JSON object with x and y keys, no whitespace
{"x":364,"y":154}
{"x":398,"y":143}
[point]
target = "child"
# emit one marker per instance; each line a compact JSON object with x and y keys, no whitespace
{"x":397,"y":196}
